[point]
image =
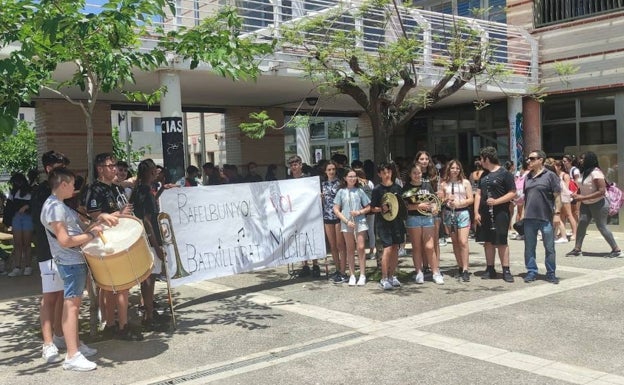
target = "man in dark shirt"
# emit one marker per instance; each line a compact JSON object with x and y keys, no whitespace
{"x":496,"y":189}
{"x":542,"y":191}
{"x":104,"y":196}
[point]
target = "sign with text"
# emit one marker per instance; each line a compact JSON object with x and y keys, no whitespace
{"x":234,"y":228}
{"x":172,"y":130}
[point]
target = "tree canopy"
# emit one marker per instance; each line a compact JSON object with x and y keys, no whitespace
{"x":105,"y":49}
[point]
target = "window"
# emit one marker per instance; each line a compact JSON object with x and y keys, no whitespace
{"x":549,"y":12}
{"x":597,"y":132}
{"x":136,"y":123}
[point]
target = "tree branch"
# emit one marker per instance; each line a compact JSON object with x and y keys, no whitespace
{"x":408,"y":84}
{"x":346,"y":86}
{"x":70,"y":100}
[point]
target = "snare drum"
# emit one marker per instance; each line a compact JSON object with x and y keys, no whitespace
{"x":125,"y":260}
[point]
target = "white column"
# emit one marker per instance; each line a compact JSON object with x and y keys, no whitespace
{"x":302,"y":133}
{"x":172,"y":124}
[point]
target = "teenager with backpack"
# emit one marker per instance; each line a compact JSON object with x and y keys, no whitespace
{"x":591,"y":195}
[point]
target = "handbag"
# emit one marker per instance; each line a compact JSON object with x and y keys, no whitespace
{"x":519,"y":226}
{"x":8,"y":213}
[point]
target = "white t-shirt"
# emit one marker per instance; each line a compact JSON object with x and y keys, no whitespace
{"x":587,"y":185}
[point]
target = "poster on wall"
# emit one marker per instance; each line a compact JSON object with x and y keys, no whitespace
{"x":229,"y":229}
{"x":173,"y":146}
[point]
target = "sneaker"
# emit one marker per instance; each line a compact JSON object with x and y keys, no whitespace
{"x":561,"y":240}
{"x":50,"y":354}
{"x":394,"y":281}
{"x":316,"y":271}
{"x":520,"y":238}
{"x":438,"y":279}
{"x":109,"y":332}
{"x":362,"y":280}
{"x":442,"y":242}
{"x":530,"y":277}
{"x":15,"y":272}
{"x":385,"y":284}
{"x":85,"y":350}
{"x":552,"y":278}
{"x":78,"y":363}
{"x":28,"y":271}
{"x":615,"y":254}
{"x":128,"y":334}
{"x":507,"y":277}
{"x":575,"y":253}
{"x":337,"y":278}
{"x":304,"y":272}
{"x":352,"y":280}
{"x":371,"y":256}
{"x":59,"y":341}
{"x":402,"y":252}
{"x":466,"y":276}
{"x":419,"y":278}
{"x":489,"y":274}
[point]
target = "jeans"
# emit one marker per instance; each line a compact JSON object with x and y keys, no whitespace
{"x":599,"y":211}
{"x":531,"y":226}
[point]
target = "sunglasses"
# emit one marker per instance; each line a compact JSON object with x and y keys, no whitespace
{"x":532,"y":158}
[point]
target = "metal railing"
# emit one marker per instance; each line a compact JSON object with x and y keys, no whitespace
{"x":510,"y":46}
{"x":548,"y":12}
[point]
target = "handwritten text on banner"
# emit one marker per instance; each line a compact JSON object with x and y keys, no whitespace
{"x":229,"y":229}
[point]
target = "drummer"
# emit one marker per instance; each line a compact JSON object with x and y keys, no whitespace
{"x":65,"y":233}
{"x":103,"y":196}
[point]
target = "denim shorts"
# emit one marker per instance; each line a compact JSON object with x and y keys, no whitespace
{"x":462,"y":217}
{"x":414,"y":221}
{"x":22,"y":222}
{"x":74,"y":279}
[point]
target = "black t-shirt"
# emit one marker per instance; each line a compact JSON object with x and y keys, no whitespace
{"x":378,"y":192}
{"x":495,"y":184}
{"x":144,"y":203}
{"x":37,"y":198}
{"x":103,"y":197}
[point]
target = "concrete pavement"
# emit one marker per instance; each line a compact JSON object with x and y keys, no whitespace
{"x":264,"y":328}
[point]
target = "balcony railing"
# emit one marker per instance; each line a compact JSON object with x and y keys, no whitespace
{"x":548,"y":12}
{"x":510,"y":46}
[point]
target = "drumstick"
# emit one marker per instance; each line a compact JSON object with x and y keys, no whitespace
{"x":107,"y":249}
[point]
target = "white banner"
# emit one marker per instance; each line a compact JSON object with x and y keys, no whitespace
{"x":229,"y":229}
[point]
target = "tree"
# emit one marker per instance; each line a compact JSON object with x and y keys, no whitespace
{"x":18,"y":152}
{"x":124,"y":150}
{"x":105,"y":49}
{"x":385,"y":81}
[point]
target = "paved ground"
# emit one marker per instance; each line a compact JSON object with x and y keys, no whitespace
{"x":264,"y":328}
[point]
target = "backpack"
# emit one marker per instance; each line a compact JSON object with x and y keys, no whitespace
{"x":572,"y":186}
{"x":615,"y":197}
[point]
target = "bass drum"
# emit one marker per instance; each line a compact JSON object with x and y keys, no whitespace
{"x":396,"y":207}
{"x":125,"y":260}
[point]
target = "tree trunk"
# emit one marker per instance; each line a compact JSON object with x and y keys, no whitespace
{"x":382,"y":132}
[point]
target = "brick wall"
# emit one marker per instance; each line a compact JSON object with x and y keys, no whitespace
{"x":61,"y":126}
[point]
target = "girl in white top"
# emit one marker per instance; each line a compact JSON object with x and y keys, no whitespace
{"x":591,"y":194}
{"x":457,"y":197}
{"x":351,"y":206}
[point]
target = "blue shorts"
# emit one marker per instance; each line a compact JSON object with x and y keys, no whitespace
{"x":74,"y":279}
{"x":414,"y":221}
{"x":22,"y":222}
{"x":462,"y":217}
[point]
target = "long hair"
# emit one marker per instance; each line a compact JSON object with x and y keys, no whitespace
{"x":447,"y":172}
{"x":343,"y":181}
{"x":431,"y":172}
{"x":19,"y":183}
{"x":590,"y":162}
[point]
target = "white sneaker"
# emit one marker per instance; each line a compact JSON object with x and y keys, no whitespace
{"x":15,"y":272}
{"x":385,"y":284}
{"x":419,"y":278}
{"x":51,"y":354}
{"x":86,"y":351}
{"x":59,"y":341}
{"x":28,"y":271}
{"x":362,"y":280}
{"x":438,"y":279}
{"x":442,"y":242}
{"x":394,"y":281}
{"x":352,"y":280}
{"x":78,"y":363}
{"x":402,"y":252}
{"x":561,"y":240}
